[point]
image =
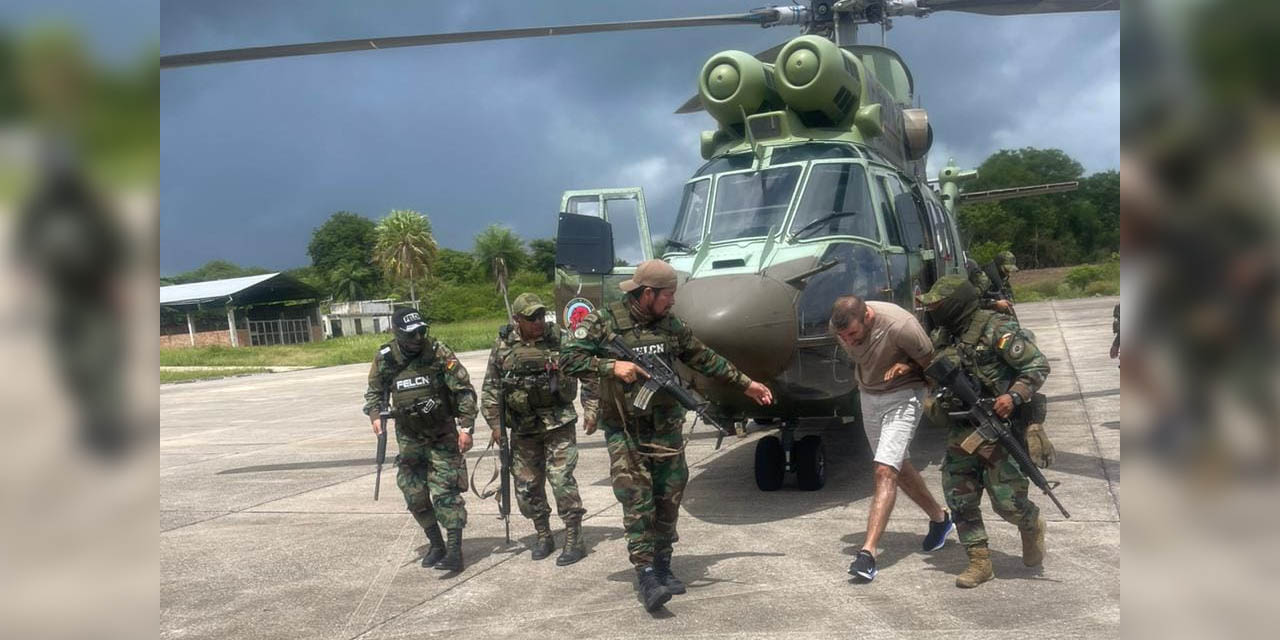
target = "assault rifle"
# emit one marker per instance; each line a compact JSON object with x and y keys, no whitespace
{"x":663,"y":378}
{"x":504,"y":463}
{"x":504,"y":447}
{"x":990,"y":427}
{"x":383,"y":413}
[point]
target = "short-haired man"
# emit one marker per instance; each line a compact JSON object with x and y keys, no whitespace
{"x":890,"y":351}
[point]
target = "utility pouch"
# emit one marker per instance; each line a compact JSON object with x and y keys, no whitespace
{"x":971,"y":443}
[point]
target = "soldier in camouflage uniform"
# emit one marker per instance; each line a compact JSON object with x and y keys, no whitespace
{"x":990,"y":296}
{"x":525,"y":365}
{"x":429,"y":390}
{"x":646,"y":448}
{"x":1006,"y":265}
{"x":1005,"y":361}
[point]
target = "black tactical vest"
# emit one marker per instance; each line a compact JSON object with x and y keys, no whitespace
{"x":418,"y":391}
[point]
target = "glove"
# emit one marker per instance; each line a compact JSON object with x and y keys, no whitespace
{"x":1039,"y":447}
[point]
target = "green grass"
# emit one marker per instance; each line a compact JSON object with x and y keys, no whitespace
{"x":211,"y":374}
{"x":460,"y":336}
{"x":1083,"y":281}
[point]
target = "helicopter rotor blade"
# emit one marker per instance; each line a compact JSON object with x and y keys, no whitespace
{"x":694,"y":104}
{"x":1014,"y":7}
{"x":764,"y":17}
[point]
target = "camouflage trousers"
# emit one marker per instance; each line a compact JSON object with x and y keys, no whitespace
{"x":648,"y":488}
{"x":965,"y":475}
{"x":433,"y":476}
{"x":542,"y":456}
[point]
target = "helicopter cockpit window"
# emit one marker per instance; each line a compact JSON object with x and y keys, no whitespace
{"x":836,"y":202}
{"x":749,"y":205}
{"x":736,"y":162}
{"x":693,"y":210}
{"x":810,"y":151}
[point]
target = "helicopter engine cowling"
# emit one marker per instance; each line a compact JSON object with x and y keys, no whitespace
{"x":734,"y":84}
{"x":820,"y":81}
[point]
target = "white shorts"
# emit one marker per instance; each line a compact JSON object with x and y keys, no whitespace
{"x":890,"y":421}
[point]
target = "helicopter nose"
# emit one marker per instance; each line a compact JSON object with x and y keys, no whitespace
{"x":748,"y":319}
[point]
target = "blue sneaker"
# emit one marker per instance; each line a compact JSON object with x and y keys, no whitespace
{"x":864,"y":566}
{"x":938,"y":532}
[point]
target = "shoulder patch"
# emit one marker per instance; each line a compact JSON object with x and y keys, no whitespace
{"x":385,"y":350}
{"x":1017,"y":349}
{"x":580,"y":333}
{"x":451,"y":364}
{"x":1004,"y":340}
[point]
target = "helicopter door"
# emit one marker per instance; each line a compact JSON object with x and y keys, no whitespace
{"x":625,"y":230}
{"x":942,"y":236}
{"x":909,"y":236}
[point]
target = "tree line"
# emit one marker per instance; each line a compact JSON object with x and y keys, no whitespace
{"x":1054,"y":230}
{"x":355,"y":258}
{"x":397,"y":257}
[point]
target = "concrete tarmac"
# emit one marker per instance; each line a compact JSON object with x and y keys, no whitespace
{"x":269,"y":529}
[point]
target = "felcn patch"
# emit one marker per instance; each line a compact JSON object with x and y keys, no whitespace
{"x":412,"y":383}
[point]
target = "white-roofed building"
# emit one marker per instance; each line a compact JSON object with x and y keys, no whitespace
{"x":271,"y":308}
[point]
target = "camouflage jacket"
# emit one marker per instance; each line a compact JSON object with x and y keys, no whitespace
{"x":990,"y":290}
{"x":999,"y":352}
{"x":434,"y":376}
{"x":539,"y":396}
{"x":585,"y":355}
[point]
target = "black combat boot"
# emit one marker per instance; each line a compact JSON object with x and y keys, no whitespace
{"x":452,"y":560}
{"x":545,"y":544}
{"x":662,"y":569}
{"x":436,"y":551}
{"x":652,"y":593}
{"x":574,"y":549}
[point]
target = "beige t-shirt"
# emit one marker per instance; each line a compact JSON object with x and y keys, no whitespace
{"x":895,"y":336}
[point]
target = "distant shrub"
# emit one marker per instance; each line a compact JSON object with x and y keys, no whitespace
{"x":1103,"y":288}
{"x":1080,"y":277}
{"x":985,"y":252}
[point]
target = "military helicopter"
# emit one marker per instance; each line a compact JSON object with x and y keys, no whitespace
{"x":814,"y":186}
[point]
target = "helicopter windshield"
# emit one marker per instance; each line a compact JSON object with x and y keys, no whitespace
{"x":836,"y":201}
{"x":750,"y":204}
{"x":693,"y":210}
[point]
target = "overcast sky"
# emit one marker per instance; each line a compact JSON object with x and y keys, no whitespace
{"x":255,"y":155}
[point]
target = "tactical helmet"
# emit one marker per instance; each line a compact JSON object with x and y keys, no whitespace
{"x":1006,"y":262}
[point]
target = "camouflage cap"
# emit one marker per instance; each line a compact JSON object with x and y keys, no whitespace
{"x":655,"y":274}
{"x":945,"y":287}
{"x":1005,"y":259}
{"x":527,"y":304}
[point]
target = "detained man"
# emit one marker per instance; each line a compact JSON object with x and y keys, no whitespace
{"x":890,"y":351}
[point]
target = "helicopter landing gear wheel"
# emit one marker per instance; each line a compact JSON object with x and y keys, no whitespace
{"x":810,"y":463}
{"x":771,"y":463}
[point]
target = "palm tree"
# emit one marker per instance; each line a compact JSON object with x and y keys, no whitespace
{"x":347,"y":279}
{"x":497,"y":241}
{"x":405,"y":249}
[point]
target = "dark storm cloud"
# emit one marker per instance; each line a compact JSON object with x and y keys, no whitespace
{"x":255,"y":155}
